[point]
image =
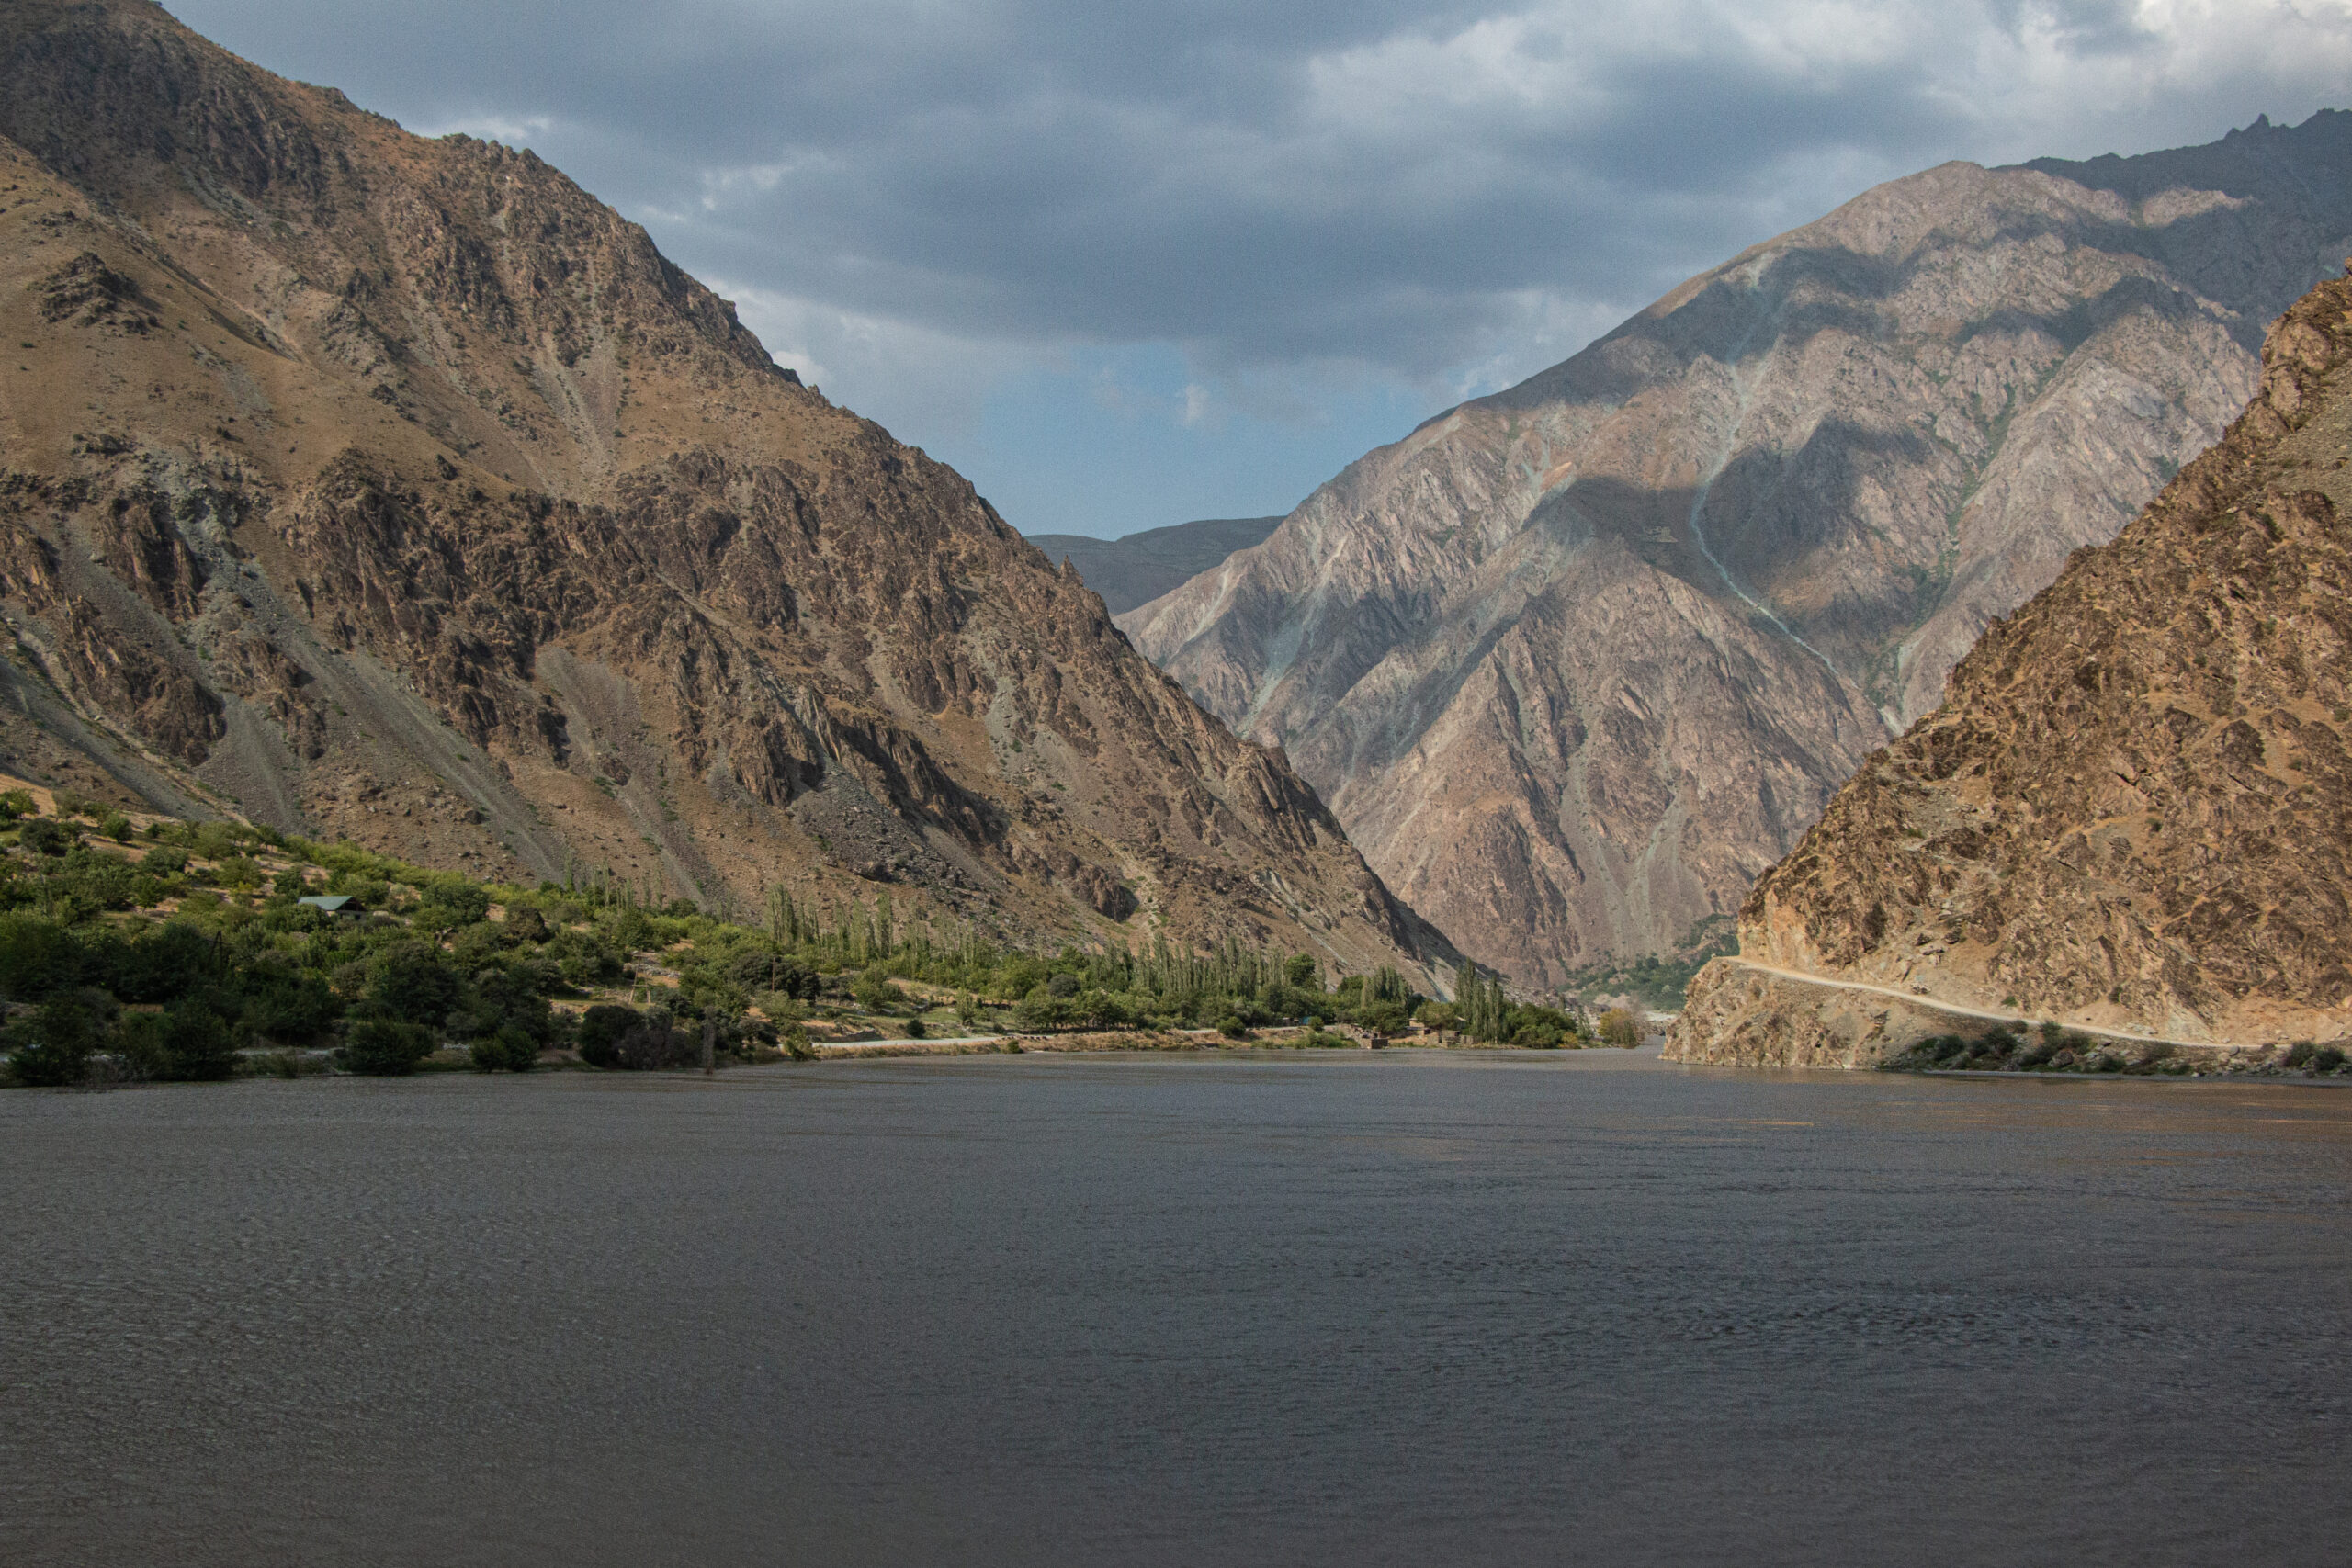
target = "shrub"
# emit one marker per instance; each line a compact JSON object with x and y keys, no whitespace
{"x":476,"y":945}
{"x":524,"y":923}
{"x":54,"y":1045}
{"x":601,"y":1028}
{"x":16,"y":803}
{"x":37,"y":957}
{"x":164,"y":965}
{"x":381,"y":1048}
{"x":581,"y":957}
{"x":511,"y":1049}
{"x":1232,"y":1028}
{"x":1618,"y":1028}
{"x":2300,"y":1053}
{"x":2327,"y":1058}
{"x":197,"y":1043}
{"x":409,"y":980}
{"x":44,"y":837}
{"x":116,"y":826}
{"x":460,"y":903}
{"x":1042,"y":1009}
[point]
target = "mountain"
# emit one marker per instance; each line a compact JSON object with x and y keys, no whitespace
{"x":397,"y":488}
{"x":1574,"y":663}
{"x":1138,"y":568}
{"x":2134,"y":810}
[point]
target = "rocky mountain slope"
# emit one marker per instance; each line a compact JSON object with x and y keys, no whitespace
{"x":1575,"y":662}
{"x":2135,"y":811}
{"x":398,"y":489}
{"x":1138,"y":568}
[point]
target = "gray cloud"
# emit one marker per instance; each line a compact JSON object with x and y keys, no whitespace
{"x":1446,"y":195}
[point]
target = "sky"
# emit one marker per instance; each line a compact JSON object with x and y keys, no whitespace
{"x":1126,"y":263}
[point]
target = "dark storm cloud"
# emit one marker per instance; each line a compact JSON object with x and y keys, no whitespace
{"x":1408,"y":188}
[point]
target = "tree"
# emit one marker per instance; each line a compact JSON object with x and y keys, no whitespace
{"x":511,"y":1049}
{"x":198,"y":1042}
{"x":409,"y":980}
{"x":463,"y":903}
{"x":1618,"y":1028}
{"x":381,"y":1048}
{"x":55,"y":1044}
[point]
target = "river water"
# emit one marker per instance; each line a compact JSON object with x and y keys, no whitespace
{"x":1410,"y":1307}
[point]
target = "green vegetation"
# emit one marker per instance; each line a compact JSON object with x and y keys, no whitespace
{"x":1658,"y":982}
{"x":1483,"y":1012}
{"x":2053,"y":1049}
{"x":184,"y":951}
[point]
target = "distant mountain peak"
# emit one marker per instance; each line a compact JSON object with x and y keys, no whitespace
{"x":1576,"y":662}
{"x":395,"y":488}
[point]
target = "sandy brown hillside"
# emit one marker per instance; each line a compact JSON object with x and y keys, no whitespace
{"x":1575,"y":662}
{"x":2135,"y":811}
{"x":399,"y":488}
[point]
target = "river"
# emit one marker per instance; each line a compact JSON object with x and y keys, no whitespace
{"x":1409,"y":1307}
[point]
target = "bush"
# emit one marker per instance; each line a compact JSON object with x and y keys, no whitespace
{"x":601,"y":1030}
{"x":460,"y":903}
{"x":54,"y":1045}
{"x":510,"y":1049}
{"x":1042,"y":1009}
{"x":2327,"y":1058}
{"x":381,"y":1048}
{"x":615,"y":1036}
{"x":44,"y":837}
{"x":116,"y":826}
{"x":16,"y":803}
{"x":197,"y":1043}
{"x":581,"y":957}
{"x":164,"y":964}
{"x":1232,"y":1028}
{"x":1618,"y":1028}
{"x":2300,"y":1053}
{"x":38,"y":957}
{"x":409,"y":980}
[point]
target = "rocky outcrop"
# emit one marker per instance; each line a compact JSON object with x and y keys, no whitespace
{"x":2134,"y":810}
{"x":1575,"y":662}
{"x":398,"y":489}
{"x":1137,"y":568}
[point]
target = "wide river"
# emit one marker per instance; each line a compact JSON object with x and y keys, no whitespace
{"x":1412,"y":1307}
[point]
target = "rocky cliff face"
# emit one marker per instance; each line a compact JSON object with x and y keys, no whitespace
{"x":399,"y":488}
{"x":2135,"y":811}
{"x":1138,"y":568}
{"x":1574,"y":663}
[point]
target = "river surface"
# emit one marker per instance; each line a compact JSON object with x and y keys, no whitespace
{"x":1405,"y":1308}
